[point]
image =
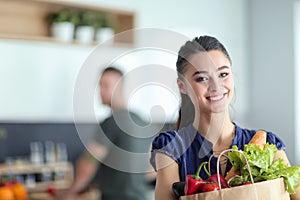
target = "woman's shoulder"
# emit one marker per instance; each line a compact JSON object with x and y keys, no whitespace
{"x":245,"y":133}
{"x":164,"y":138}
{"x":172,"y":143}
{"x":176,"y":137}
{"x":164,"y":143}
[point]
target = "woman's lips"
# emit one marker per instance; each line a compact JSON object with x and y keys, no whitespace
{"x":216,"y":97}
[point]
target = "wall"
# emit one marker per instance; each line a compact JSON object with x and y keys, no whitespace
{"x":296,"y":77}
{"x":272,"y":69}
{"x":227,"y":20}
{"x":39,"y":77}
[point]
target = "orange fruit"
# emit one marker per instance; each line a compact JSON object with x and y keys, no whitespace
{"x":19,"y":191}
{"x":6,"y":193}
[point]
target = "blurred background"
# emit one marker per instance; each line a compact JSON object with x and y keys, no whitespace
{"x":38,"y":74}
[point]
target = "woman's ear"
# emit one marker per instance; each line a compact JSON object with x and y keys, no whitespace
{"x":181,"y":86}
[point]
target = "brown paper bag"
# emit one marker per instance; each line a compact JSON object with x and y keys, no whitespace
{"x":265,"y":190}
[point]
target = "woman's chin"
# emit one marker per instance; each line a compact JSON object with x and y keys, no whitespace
{"x":218,"y":107}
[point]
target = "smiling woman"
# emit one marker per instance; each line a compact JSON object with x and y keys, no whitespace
{"x":210,"y":78}
{"x":206,"y":83}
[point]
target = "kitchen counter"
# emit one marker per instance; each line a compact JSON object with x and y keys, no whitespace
{"x":92,"y":194}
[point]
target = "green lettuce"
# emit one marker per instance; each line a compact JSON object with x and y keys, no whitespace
{"x":263,"y":167}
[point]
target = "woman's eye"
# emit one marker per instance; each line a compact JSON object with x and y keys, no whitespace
{"x":222,"y":75}
{"x":200,"y":79}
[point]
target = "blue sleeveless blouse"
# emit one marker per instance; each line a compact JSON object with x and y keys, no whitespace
{"x":189,"y":149}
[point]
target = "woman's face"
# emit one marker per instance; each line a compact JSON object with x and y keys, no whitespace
{"x":209,"y":81}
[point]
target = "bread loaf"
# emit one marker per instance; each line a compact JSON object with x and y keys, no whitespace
{"x":260,"y":138}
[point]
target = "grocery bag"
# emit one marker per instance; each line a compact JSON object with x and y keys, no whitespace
{"x":265,"y":190}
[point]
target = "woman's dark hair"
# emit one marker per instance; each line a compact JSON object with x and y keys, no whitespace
{"x":198,"y":44}
{"x":112,"y":69}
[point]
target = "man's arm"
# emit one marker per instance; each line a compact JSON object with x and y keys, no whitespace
{"x":86,"y":167}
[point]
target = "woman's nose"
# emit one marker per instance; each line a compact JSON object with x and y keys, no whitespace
{"x":215,"y":84}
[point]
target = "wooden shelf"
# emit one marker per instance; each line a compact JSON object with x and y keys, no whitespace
{"x":62,"y":174}
{"x":27,"y":18}
{"x":51,"y":40}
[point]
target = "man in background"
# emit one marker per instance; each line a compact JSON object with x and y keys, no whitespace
{"x":114,"y":184}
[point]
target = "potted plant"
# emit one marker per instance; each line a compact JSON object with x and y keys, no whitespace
{"x":63,"y":24}
{"x":105,"y":27}
{"x":85,"y":29}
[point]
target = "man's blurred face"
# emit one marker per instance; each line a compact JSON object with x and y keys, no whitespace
{"x":108,"y":82}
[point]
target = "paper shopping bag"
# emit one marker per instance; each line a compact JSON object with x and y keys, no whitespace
{"x":265,"y":190}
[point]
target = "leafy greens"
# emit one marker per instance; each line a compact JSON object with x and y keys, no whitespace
{"x":263,"y":166}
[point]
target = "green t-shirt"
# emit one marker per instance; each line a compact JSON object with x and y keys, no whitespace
{"x":123,"y":134}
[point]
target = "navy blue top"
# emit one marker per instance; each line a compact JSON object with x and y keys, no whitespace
{"x":189,"y":149}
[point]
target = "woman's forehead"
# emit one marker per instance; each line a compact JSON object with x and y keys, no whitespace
{"x":208,"y":61}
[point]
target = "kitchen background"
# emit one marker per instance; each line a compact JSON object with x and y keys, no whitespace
{"x":263,"y":38}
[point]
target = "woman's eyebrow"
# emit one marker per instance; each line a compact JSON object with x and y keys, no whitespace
{"x":206,"y":72}
{"x":200,"y":72}
{"x":223,"y":67}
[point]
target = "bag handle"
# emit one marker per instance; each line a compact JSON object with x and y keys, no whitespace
{"x":248,"y":167}
{"x":218,"y":164}
{"x":209,"y":161}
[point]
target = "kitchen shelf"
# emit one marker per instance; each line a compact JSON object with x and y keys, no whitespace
{"x":51,"y":40}
{"x":26,"y":19}
{"x":62,"y":174}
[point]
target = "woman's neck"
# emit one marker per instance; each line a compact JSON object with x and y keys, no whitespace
{"x":217,"y":128}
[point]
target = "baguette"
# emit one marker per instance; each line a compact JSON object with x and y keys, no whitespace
{"x":260,"y":138}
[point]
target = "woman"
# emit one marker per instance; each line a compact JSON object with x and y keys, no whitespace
{"x":206,"y":84}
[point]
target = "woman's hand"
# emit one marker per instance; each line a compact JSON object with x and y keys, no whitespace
{"x":282,"y":154}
